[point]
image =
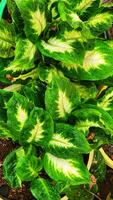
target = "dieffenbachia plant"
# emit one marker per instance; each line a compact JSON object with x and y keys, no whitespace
{"x":53,"y":58}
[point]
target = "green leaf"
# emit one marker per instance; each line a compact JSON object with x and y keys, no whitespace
{"x":17,"y":113}
{"x":15,"y":15}
{"x":93,"y":117}
{"x":100,"y":22}
{"x":38,"y":128}
{"x":62,"y":92}
{"x":42,"y":189}
{"x":66,"y":140}
{"x":83,"y":5}
{"x":24,"y":56}
{"x":69,"y":16}
{"x":86,"y":92}
{"x":46,"y":74}
{"x":71,"y":170}
{"x":33,"y":13}
{"x":10,"y":171}
{"x":28,"y":165}
{"x":7,"y":39}
{"x":60,"y":49}
{"x":96,"y":64}
{"x":106,"y":101}
{"x":4,"y":131}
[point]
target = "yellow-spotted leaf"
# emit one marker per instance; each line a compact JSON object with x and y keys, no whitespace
{"x":67,"y":140}
{"x":106,"y":101}
{"x":65,"y":97}
{"x":100,"y":22}
{"x":59,"y":49}
{"x":70,"y":170}
{"x":96,"y":64}
{"x":33,"y":13}
{"x":7,"y":39}
{"x":24,"y":56}
{"x":38,"y":128}
{"x":93,"y":116}
{"x":17,"y":113}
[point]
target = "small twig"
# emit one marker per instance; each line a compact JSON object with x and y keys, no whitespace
{"x":93,"y":194}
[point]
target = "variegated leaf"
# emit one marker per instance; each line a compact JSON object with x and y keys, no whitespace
{"x":59,"y":49}
{"x":96,"y":65}
{"x":62,"y":92}
{"x":42,"y":189}
{"x":38,"y":128}
{"x":106,"y":102}
{"x":33,"y":13}
{"x":69,"y":16}
{"x":10,"y":172}
{"x":4,"y":131}
{"x":46,"y":74}
{"x":17,"y":113}
{"x":83,"y":5}
{"x":66,"y":140}
{"x":93,"y":117}
{"x":7,"y":39}
{"x":100,"y":22}
{"x":28,"y":161}
{"x":71,"y":170}
{"x":15,"y":15}
{"x":86,"y":92}
{"x":24,"y":56}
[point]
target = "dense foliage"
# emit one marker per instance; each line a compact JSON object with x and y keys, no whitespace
{"x":56,"y":70}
